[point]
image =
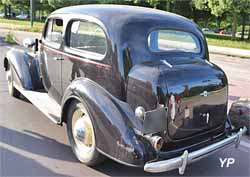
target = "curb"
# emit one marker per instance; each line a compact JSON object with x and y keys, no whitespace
{"x":235,"y":52}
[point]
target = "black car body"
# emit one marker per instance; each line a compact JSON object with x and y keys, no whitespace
{"x":154,"y":98}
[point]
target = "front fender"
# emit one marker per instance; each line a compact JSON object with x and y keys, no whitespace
{"x":25,"y":68}
{"x":114,"y":122}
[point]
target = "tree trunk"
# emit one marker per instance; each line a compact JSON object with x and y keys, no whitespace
{"x":218,"y":21}
{"x":249,"y":33}
{"x":9,"y":11}
{"x":234,"y":25}
{"x":194,"y":15}
{"x":243,"y":26}
{"x":5,"y":10}
{"x":168,"y":5}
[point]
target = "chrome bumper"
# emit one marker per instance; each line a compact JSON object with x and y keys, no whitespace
{"x":186,"y":158}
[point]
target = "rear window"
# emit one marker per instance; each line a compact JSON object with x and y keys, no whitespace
{"x":173,"y":41}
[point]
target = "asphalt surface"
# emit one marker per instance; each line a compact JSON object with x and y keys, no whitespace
{"x":31,"y":145}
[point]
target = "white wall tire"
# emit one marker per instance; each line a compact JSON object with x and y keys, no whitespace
{"x":81,"y":134}
{"x":12,"y":90}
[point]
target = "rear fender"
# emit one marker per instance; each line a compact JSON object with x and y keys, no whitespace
{"x":26,"y":69}
{"x":114,"y":122}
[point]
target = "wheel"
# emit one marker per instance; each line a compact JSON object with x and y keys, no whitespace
{"x":12,"y":90}
{"x":81,"y":134}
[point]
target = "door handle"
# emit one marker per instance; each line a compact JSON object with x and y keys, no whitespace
{"x":58,"y":58}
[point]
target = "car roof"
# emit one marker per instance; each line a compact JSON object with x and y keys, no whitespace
{"x":124,"y":14}
{"x":129,"y":26}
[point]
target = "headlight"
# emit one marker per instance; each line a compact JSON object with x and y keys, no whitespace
{"x":140,"y":112}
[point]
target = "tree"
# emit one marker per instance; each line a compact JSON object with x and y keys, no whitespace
{"x":55,"y":4}
{"x":201,"y":5}
{"x":244,"y":7}
{"x":236,"y":8}
{"x":183,"y":8}
{"x":220,"y":7}
{"x":154,"y":3}
{"x":201,"y":10}
{"x":248,"y":33}
{"x":7,"y":7}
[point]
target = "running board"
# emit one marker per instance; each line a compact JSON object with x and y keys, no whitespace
{"x":44,"y":103}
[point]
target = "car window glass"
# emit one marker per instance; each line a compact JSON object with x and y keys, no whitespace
{"x":54,"y":31}
{"x":88,"y":38}
{"x":173,"y":40}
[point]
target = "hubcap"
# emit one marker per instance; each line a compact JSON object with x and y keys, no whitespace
{"x":83,"y":132}
{"x":79,"y":130}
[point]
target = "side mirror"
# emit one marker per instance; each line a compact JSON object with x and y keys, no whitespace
{"x":31,"y":43}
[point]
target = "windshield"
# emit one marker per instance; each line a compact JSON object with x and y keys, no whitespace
{"x":173,"y":41}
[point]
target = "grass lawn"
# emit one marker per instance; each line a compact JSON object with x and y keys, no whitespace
{"x":22,"y":25}
{"x":225,"y":41}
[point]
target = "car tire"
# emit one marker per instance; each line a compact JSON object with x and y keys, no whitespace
{"x":11,"y":88}
{"x":82,"y":138}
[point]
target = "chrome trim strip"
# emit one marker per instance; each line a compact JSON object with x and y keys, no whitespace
{"x":186,"y":158}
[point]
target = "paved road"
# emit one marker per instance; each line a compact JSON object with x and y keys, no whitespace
{"x":238,"y":73}
{"x":30,"y":145}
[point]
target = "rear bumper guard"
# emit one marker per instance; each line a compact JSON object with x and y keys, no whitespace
{"x":186,"y":158}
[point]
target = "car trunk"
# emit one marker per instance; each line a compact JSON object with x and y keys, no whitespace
{"x":194,"y":91}
{"x":197,"y":98}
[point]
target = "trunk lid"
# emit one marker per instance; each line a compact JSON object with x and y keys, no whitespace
{"x":194,"y":91}
{"x":197,"y":98}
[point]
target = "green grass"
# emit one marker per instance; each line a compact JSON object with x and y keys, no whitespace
{"x":22,"y":25}
{"x":20,"y":22}
{"x":27,"y":29}
{"x":226,"y":41}
{"x":10,"y":38}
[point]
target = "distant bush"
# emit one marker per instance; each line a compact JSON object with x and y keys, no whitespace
{"x":10,"y":38}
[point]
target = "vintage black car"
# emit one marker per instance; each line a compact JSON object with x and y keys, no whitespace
{"x":132,"y":84}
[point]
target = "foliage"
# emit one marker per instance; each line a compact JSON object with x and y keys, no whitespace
{"x":216,"y":7}
{"x":220,"y":7}
{"x":10,"y":38}
{"x":62,"y":3}
{"x":201,"y":4}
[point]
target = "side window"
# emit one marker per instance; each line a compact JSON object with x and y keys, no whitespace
{"x":88,"y":39}
{"x":54,"y":31}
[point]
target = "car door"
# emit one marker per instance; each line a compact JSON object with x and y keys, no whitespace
{"x":51,"y":57}
{"x":87,"y":56}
